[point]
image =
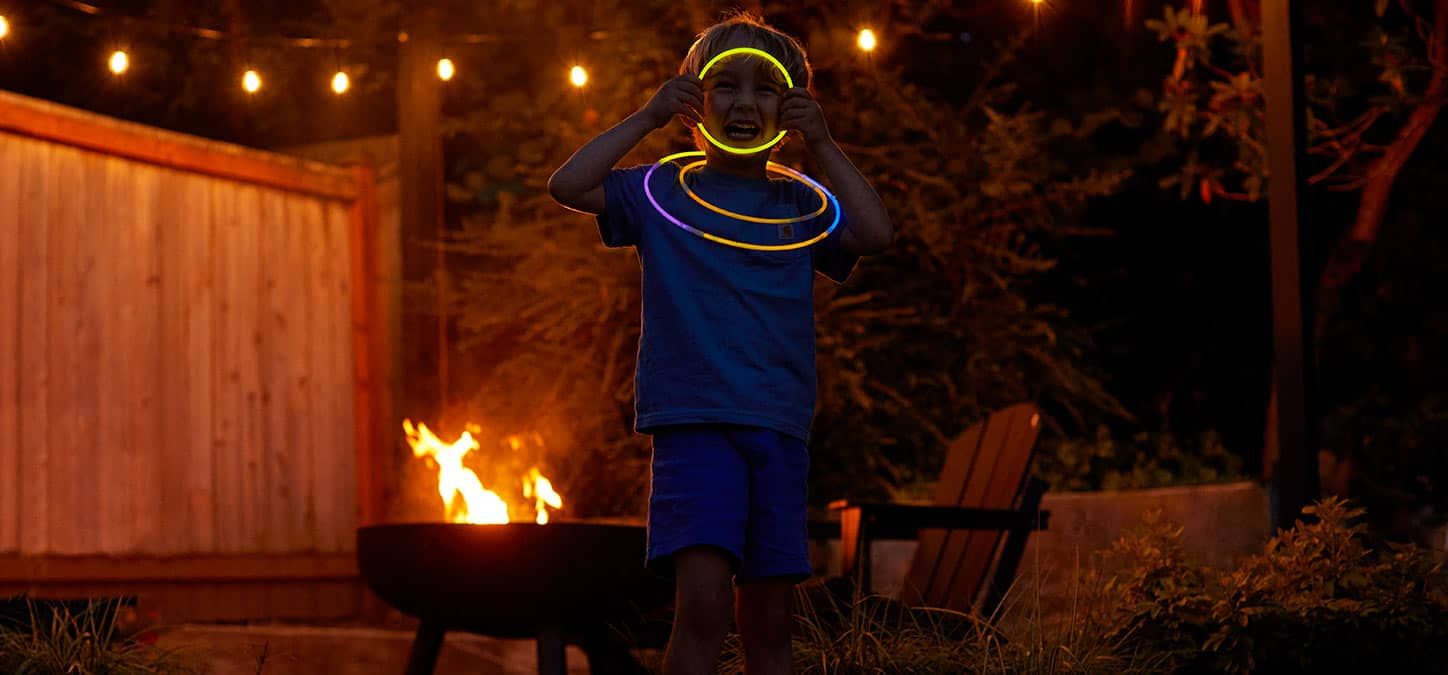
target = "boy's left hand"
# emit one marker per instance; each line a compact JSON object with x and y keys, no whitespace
{"x":801,"y":112}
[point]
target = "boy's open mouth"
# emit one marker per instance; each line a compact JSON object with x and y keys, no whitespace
{"x":741,"y":131}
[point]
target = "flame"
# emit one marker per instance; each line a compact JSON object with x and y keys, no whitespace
{"x":541,"y":489}
{"x":478,"y":505}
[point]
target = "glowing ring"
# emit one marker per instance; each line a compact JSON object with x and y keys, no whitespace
{"x":739,"y":244}
{"x":754,"y":52}
{"x":824,"y":203}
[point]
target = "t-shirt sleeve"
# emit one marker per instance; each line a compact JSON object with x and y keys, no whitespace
{"x":829,"y":259}
{"x":623,"y":204}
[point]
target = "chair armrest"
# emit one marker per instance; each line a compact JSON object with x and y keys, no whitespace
{"x":887,"y":520}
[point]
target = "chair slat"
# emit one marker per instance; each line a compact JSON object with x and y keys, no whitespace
{"x":959,"y":458}
{"x":985,"y":468}
{"x":1003,"y":491}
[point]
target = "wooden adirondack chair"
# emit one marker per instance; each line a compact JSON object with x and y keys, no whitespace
{"x":985,"y":507}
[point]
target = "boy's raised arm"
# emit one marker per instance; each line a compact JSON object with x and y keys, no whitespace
{"x":578,"y":184}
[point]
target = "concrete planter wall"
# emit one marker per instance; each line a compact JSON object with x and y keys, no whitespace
{"x":1220,"y":524}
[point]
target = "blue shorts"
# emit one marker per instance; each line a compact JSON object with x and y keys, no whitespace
{"x":738,"y":488}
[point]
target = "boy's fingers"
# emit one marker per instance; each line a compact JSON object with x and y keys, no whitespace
{"x":692,"y":87}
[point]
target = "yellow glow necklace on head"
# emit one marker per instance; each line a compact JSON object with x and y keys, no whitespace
{"x":771,"y":166}
{"x":789,"y":81}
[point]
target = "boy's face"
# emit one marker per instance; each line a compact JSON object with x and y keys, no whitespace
{"x":741,"y":104}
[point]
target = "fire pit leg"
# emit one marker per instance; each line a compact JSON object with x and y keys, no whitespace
{"x":552,"y":659}
{"x":425,"y":648}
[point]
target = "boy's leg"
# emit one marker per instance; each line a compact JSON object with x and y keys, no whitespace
{"x":764,"y":609}
{"x":701,"y":611}
{"x":776,"y":548}
{"x":698,"y":509}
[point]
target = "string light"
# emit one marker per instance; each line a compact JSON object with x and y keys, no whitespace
{"x":446,"y":69}
{"x":120,"y":62}
{"x":4,"y":26}
{"x":251,"y":81}
{"x":866,"y":40}
{"x":341,"y":83}
{"x":578,"y":76}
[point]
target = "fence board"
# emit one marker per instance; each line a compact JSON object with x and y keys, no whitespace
{"x":293,"y":463}
{"x":332,"y":430}
{"x":36,"y":181}
{"x":61,"y":388}
{"x":146,"y":361}
{"x":318,"y":446}
{"x":199,"y":448}
{"x":10,"y":317}
{"x":112,"y":380}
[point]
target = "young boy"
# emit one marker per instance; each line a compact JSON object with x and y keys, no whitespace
{"x":726,"y":363}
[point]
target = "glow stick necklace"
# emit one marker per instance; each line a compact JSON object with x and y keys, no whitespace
{"x":771,"y":166}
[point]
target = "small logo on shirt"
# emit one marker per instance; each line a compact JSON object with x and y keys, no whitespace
{"x":786,"y":231}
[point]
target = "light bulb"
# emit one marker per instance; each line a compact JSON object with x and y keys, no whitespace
{"x":578,"y":76}
{"x":120,"y":62}
{"x":341,"y":83}
{"x":251,"y":81}
{"x":4,"y":26}
{"x":446,"y":69}
{"x":867,"y":40}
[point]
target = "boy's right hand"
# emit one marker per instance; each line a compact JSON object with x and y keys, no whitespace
{"x":682,"y":96}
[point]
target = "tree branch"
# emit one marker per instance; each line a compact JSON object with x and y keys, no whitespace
{"x":1352,"y":248}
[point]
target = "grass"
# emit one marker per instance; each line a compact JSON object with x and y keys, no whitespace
{"x":84,"y":643}
{"x":871,"y":635}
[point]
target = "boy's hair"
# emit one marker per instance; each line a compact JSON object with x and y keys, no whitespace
{"x":747,"y":30}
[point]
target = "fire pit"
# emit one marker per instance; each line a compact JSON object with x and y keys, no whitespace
{"x":485,"y":573}
{"x":561,"y":582}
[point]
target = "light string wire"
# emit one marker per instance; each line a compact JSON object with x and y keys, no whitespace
{"x":289,"y":41}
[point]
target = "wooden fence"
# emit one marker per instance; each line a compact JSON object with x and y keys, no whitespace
{"x":187,"y":372}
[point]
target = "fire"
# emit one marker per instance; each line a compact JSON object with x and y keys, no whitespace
{"x":464,"y":498}
{"x":541,"y":489}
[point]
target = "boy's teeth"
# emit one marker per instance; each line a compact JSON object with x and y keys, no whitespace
{"x":740,"y":131}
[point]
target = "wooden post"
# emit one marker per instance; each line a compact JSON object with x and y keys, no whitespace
{"x":370,"y":371}
{"x":420,"y":177}
{"x":1295,"y":477}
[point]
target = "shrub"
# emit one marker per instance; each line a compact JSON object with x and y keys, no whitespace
{"x":1316,"y":599}
{"x":1146,"y":460}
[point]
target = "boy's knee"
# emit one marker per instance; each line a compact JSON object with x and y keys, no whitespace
{"x":704,"y":591}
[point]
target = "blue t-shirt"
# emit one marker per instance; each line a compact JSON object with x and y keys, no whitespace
{"x":728,"y":333}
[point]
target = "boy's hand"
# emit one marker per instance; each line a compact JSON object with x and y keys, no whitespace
{"x":682,"y":96}
{"x":801,"y":112}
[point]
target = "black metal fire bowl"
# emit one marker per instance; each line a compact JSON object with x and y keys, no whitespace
{"x":514,"y":580}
